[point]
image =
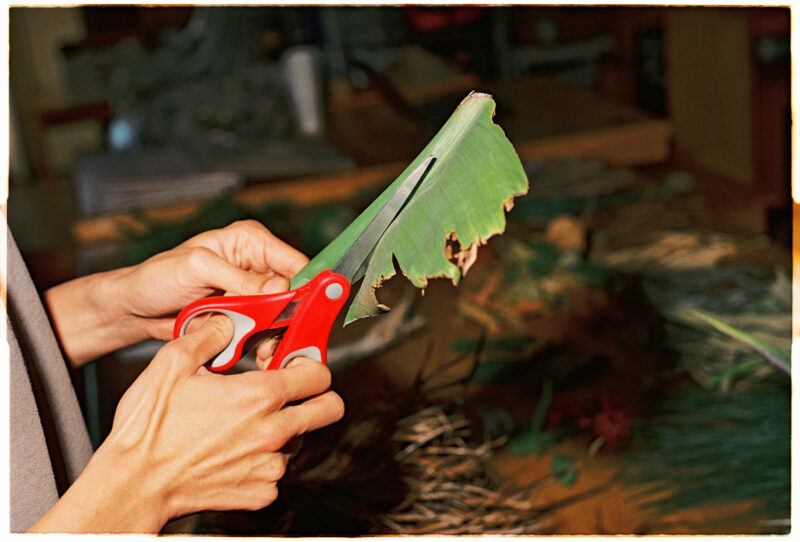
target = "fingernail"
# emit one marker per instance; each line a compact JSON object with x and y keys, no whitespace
{"x":276,"y":285}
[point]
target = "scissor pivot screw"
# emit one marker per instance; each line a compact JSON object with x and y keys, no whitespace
{"x":334,"y":291}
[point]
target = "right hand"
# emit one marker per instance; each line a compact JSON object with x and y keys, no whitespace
{"x":214,"y":442}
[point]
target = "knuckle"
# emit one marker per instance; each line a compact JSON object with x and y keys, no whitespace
{"x":274,"y":391}
{"x":266,"y":403}
{"x":274,"y":436}
{"x":172,"y":349}
{"x":197,"y":257}
{"x":248,"y":225}
{"x":252,"y":396}
{"x":276,"y":468}
{"x":277,"y":433}
{"x":250,"y":283}
{"x":269,"y":436}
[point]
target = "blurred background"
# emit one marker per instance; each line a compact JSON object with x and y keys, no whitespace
{"x":615,"y":363}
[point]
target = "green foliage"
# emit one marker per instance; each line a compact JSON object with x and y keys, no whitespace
{"x":728,"y":439}
{"x":564,"y":469}
{"x":725,"y":323}
{"x":535,"y":440}
{"x":705,"y":448}
{"x":776,"y":356}
{"x":464,"y":194}
{"x":527,"y":261}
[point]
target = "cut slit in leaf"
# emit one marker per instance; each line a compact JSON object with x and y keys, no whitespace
{"x":458,"y":206}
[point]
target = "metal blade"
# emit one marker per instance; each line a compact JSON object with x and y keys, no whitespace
{"x":353,"y":263}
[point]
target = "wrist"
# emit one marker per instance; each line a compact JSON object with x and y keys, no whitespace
{"x":114,"y":493}
{"x":90,"y":316}
{"x":139,"y":489}
{"x":107,"y":295}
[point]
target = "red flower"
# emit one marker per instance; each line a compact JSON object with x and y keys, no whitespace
{"x":613,"y":422}
{"x":604,"y":415}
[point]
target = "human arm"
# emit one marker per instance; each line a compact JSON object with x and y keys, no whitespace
{"x":185,"y":440}
{"x":99,"y":313}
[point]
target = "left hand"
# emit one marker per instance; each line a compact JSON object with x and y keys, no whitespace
{"x":241,"y":259}
{"x":106,"y":311}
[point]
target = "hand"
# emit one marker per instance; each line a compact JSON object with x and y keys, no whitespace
{"x":241,"y":259}
{"x":99,"y":313}
{"x":184,"y":439}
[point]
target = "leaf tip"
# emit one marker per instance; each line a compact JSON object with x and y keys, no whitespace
{"x":475,"y":95}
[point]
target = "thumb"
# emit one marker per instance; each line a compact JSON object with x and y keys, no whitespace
{"x":222,"y":275}
{"x":197,"y":347}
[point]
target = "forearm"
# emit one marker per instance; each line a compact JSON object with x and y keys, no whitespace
{"x":89,"y":319}
{"x":111,"y":495}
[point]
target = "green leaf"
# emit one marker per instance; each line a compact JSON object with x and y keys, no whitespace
{"x":535,"y":440}
{"x":777,"y":357}
{"x":531,"y":443}
{"x":465,"y":194}
{"x":564,"y":469}
{"x":540,"y":412}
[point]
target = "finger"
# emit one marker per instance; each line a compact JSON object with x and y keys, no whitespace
{"x":283,"y":258}
{"x":264,"y":353}
{"x":276,"y":285}
{"x":211,"y":271}
{"x":251,"y":246}
{"x":263,"y":250}
{"x":160,"y":328}
{"x":273,"y":389}
{"x":197,"y":322}
{"x":273,"y":466}
{"x":310,"y":415}
{"x":199,"y":346}
{"x":302,"y":378}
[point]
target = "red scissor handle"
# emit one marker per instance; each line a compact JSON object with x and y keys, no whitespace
{"x":309,"y":325}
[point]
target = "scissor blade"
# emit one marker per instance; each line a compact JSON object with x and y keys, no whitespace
{"x":352,"y":264}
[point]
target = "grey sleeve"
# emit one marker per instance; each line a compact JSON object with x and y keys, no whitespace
{"x":32,"y":336}
{"x":33,"y":486}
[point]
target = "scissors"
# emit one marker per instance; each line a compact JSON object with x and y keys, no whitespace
{"x":306,"y":314}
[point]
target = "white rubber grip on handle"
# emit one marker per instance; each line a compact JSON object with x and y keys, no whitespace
{"x":242,"y":325}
